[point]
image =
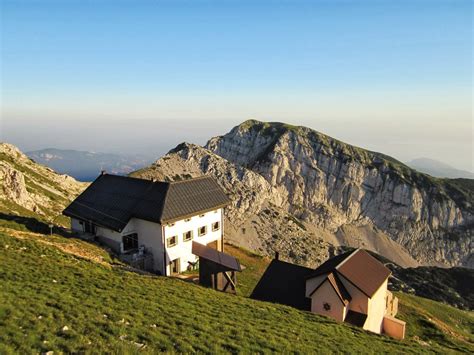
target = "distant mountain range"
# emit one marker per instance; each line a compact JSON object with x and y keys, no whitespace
{"x":86,"y":166}
{"x":438,"y":169}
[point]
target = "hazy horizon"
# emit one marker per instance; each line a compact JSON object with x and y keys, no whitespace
{"x":144,"y":76}
{"x":144,"y":144}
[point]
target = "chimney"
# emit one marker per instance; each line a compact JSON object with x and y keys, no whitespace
{"x":277,"y":255}
{"x":103,"y":172}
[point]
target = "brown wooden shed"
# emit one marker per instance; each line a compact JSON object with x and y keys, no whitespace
{"x":216,"y":268}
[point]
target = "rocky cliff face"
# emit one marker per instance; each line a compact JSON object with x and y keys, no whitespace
{"x":30,"y":187}
{"x":262,"y":218}
{"x":330,"y":184}
{"x":252,"y":220}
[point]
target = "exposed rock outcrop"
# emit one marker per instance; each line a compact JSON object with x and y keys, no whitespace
{"x":259,"y":218}
{"x":331,"y":184}
{"x":26,"y":185}
{"x":14,"y":187}
{"x":282,"y":177}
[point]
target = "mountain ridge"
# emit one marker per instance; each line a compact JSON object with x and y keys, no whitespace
{"x":338,"y":191}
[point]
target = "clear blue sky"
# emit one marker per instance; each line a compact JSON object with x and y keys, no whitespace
{"x":142,"y":76}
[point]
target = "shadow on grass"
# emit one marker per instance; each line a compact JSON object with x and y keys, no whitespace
{"x":34,"y":225}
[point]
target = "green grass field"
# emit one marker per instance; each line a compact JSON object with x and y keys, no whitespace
{"x":66,"y":295}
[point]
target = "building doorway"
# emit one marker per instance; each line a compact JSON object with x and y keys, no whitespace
{"x":175,"y":267}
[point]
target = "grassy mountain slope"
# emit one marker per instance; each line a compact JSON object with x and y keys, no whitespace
{"x":454,"y":286}
{"x":56,"y":299}
{"x":429,"y":323}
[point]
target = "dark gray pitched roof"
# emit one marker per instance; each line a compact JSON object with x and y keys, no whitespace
{"x":112,"y":200}
{"x":284,"y":283}
{"x":330,"y":264}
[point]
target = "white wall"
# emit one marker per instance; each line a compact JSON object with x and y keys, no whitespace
{"x":183,"y":249}
{"x":326,"y":294}
{"x":110,"y":238}
{"x":76,"y":225}
{"x":377,"y":309}
{"x":149,"y":235}
{"x":359,"y":302}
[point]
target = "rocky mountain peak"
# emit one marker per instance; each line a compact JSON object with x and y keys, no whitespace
{"x":346,"y":190}
{"x":12,"y":151}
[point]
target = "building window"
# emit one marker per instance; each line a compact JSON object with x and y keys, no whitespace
{"x":216,"y":226}
{"x":202,"y":215}
{"x":174,"y":266}
{"x":89,"y":227}
{"x":188,"y":236}
{"x":130,"y":242}
{"x":171,"y":225}
{"x":172,"y":241}
{"x":202,"y":231}
{"x":187,"y":219}
{"x":327,"y":306}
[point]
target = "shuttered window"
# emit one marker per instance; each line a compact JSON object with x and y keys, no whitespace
{"x":172,"y":241}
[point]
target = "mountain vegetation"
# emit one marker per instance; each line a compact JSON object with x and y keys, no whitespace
{"x":453,"y":286}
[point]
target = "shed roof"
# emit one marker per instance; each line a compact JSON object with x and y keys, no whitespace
{"x":216,"y":256}
{"x":112,"y":200}
{"x":330,"y":264}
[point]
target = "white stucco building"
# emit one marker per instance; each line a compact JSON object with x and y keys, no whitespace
{"x":152,"y":221}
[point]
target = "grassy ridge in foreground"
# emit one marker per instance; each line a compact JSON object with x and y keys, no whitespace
{"x":45,"y":289}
